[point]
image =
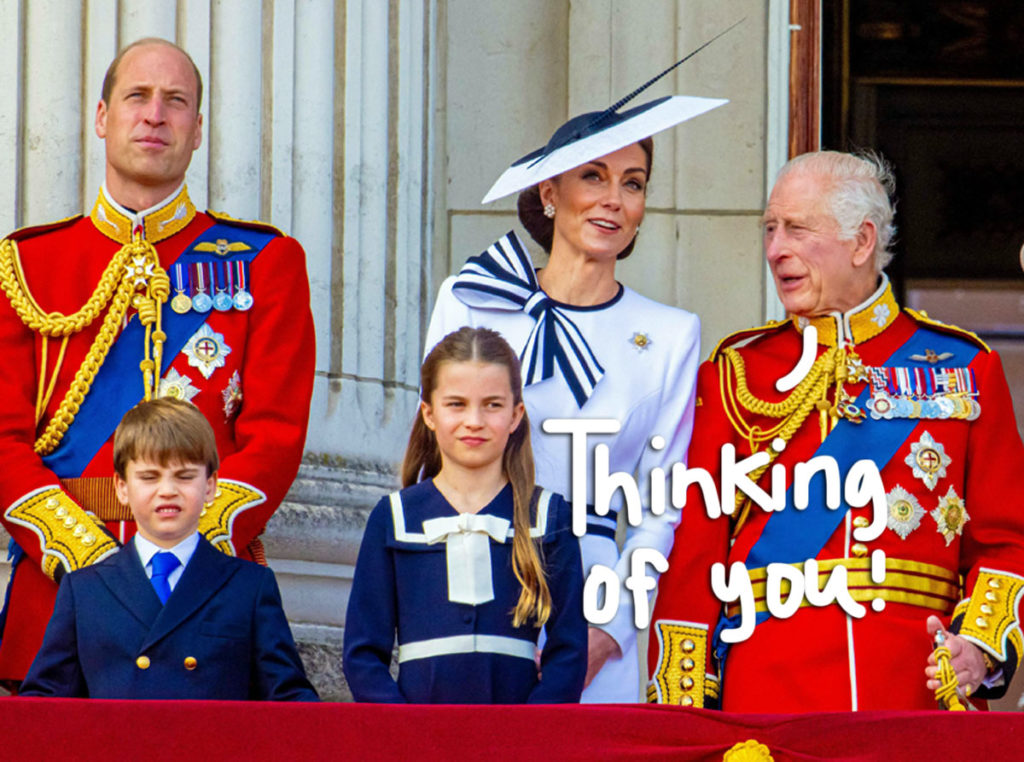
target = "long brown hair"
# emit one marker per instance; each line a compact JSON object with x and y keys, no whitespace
{"x":423,"y":458}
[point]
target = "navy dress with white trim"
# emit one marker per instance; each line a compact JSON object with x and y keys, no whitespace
{"x":408,"y":578}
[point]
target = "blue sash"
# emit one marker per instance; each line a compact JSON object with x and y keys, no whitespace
{"x":793,"y":536}
{"x":117,"y":387}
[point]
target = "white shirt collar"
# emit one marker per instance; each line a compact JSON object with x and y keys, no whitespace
{"x":183,"y":550}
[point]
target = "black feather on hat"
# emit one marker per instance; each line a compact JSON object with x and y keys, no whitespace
{"x":598,"y":133}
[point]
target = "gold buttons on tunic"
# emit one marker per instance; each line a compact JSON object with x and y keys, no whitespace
{"x":142,"y":662}
{"x":190,"y":663}
{"x":686,"y":701}
{"x":687,"y":664}
{"x":860,"y":550}
{"x":688,"y":646}
{"x":981,"y":622}
{"x":687,"y":683}
{"x":861,"y":521}
{"x":52,"y":503}
{"x":88,"y":540}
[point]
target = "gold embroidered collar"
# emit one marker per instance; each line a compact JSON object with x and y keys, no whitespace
{"x":858,"y":325}
{"x":156,"y":223}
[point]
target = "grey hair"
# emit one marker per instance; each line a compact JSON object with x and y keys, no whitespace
{"x":861,"y":186}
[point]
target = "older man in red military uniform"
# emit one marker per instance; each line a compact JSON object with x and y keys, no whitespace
{"x":925,"y":404}
{"x":143,"y":297}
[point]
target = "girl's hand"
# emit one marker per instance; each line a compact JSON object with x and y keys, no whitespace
{"x":600,"y":647}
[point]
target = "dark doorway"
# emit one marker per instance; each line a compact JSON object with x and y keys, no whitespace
{"x":937,"y":87}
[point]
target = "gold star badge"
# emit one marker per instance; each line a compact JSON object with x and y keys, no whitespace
{"x":951,"y":515}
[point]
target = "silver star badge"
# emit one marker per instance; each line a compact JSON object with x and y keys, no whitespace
{"x":640,"y":341}
{"x":905,"y":513}
{"x":206,"y":350}
{"x":928,"y":460}
{"x":177,"y":386}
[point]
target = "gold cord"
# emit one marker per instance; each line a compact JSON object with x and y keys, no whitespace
{"x":830,"y":369}
{"x":54,"y":324}
{"x":45,"y":343}
{"x":946,"y":693}
{"x":135,"y":267}
{"x":45,"y":401}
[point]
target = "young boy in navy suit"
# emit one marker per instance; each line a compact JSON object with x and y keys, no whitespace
{"x":168,"y":616}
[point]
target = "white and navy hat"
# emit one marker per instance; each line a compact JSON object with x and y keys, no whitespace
{"x":598,"y":133}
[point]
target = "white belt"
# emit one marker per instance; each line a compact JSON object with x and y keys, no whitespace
{"x":466,"y":644}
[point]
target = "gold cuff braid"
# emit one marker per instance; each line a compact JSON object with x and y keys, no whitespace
{"x":990,"y":614}
{"x":217,"y":518}
{"x":68,"y":536}
{"x":680,"y":677}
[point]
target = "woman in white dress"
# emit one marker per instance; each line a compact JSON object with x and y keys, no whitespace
{"x":590,"y":347}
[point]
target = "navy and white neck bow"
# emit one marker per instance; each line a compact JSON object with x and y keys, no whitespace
{"x":503,"y":278}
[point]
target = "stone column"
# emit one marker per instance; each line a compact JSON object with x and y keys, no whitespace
{"x":318,"y":117}
{"x":361,"y":129}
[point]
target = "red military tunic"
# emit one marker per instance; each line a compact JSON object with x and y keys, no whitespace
{"x":250,"y":372}
{"x":953,"y":541}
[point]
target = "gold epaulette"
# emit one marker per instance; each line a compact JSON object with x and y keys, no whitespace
{"x":217,"y":518}
{"x":746,"y":333}
{"x":952,"y":330}
{"x":990,"y":615}
{"x":264,"y":227}
{"x":31,"y":231}
{"x":680,"y":678}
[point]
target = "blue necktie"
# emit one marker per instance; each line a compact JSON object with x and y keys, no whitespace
{"x":163,"y":564}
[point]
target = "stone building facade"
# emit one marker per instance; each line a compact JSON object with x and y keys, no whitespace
{"x":370,"y":131}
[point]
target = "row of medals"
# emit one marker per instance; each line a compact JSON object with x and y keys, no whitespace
{"x":960,"y":405}
{"x":222,"y":301}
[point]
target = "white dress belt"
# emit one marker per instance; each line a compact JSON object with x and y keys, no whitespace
{"x":466,"y":644}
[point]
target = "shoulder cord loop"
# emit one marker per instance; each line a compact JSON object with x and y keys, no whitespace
{"x":133,"y":277}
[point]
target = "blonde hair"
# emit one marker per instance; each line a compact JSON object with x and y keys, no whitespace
{"x":166,"y":431}
{"x":423,"y":459}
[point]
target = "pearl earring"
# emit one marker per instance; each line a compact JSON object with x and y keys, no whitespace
{"x":549,"y":211}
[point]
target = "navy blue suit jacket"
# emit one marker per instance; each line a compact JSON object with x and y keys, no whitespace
{"x":221,"y":635}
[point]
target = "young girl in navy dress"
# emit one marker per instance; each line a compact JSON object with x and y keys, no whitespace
{"x":470,"y":560}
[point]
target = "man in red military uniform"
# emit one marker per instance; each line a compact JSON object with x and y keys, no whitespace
{"x":924,"y":408}
{"x":143,"y":297}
